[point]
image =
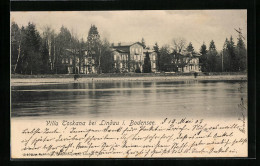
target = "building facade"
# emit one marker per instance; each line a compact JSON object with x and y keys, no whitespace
{"x":129,"y":57}
{"x":78,"y":62}
{"x":190,"y":62}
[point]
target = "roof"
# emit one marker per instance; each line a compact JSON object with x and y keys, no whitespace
{"x":120,"y":51}
{"x":77,"y":51}
{"x":125,"y":44}
{"x":187,"y":53}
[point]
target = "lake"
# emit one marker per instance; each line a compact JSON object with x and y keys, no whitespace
{"x":129,"y":99}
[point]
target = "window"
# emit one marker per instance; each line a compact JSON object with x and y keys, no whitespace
{"x":114,"y":57}
{"x":62,"y":61}
{"x":67,"y":60}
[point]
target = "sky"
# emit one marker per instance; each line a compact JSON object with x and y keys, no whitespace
{"x":161,"y":26}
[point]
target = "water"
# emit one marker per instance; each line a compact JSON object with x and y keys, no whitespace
{"x":143,"y":99}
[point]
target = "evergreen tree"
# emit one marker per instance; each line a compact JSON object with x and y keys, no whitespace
{"x":226,"y":61}
{"x":232,"y":54}
{"x":93,"y":40}
{"x":63,"y":41}
{"x":94,"y":45}
{"x":212,"y":57}
{"x":190,"y":48}
{"x":106,"y":58}
{"x":147,"y":64}
{"x":241,"y":53}
{"x":45,"y":56}
{"x":156,"y":49}
{"x":165,"y":58}
{"x":203,"y":58}
{"x":32,"y":61}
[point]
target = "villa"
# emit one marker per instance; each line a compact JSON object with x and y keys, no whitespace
{"x":129,"y":57}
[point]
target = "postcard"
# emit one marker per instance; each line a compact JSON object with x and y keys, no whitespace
{"x":129,"y":84}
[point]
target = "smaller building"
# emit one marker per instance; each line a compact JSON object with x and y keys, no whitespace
{"x":79,"y":62}
{"x":189,"y":62}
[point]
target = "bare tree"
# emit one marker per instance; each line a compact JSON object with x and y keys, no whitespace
{"x":178,"y":44}
{"x":75,"y":44}
{"x":49,"y":36}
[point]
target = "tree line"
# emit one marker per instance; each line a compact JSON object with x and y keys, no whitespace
{"x":35,"y":53}
{"x":232,"y":58}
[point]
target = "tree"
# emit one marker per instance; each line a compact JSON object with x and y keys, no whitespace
{"x":63,"y":41}
{"x":49,"y":51}
{"x":94,"y":45}
{"x":21,"y":56}
{"x":31,"y":62}
{"x":15,"y":46}
{"x":203,"y":58}
{"x":76,"y":52}
{"x":106,"y":61}
{"x":143,"y":43}
{"x":156,"y":49}
{"x":241,"y":54}
{"x":178,"y":44}
{"x":147,"y":63}
{"x":226,"y":58}
{"x":190,"y":48}
{"x":212,"y":57}
{"x":45,"y":56}
{"x":165,"y":58}
{"x":232,"y":54}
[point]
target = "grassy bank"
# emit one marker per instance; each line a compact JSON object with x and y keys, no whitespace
{"x":108,"y":75}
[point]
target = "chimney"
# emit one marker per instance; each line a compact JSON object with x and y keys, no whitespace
{"x":119,"y":44}
{"x":112,"y":44}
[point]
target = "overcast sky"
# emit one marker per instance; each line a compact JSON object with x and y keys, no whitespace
{"x":196,"y":26}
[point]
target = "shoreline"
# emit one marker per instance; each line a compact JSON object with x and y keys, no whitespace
{"x":39,"y":81}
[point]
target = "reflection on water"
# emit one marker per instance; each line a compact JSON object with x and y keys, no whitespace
{"x":129,"y":99}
